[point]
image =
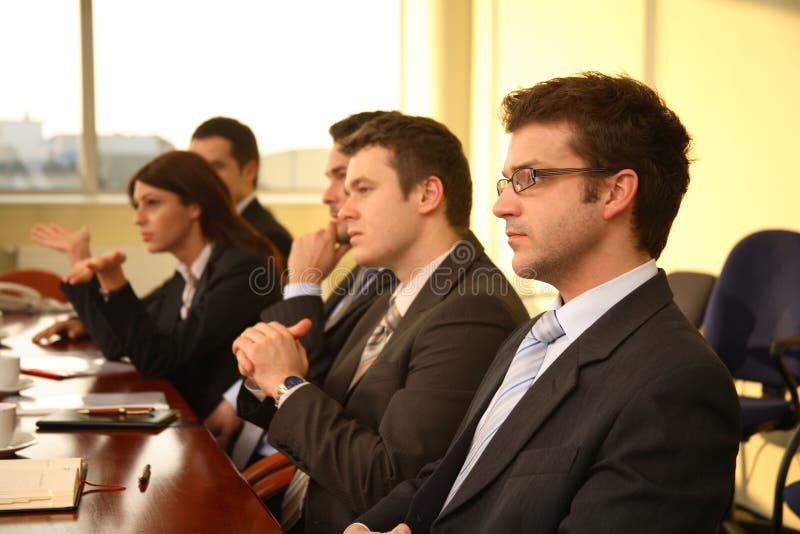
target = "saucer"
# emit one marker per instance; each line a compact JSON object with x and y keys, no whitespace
{"x":19,"y":440}
{"x":24,"y":382}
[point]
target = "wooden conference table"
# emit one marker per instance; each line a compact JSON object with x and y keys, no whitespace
{"x":193,"y":487}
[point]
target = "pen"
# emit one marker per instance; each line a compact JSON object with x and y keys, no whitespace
{"x":126,"y":410}
{"x":145,"y":478}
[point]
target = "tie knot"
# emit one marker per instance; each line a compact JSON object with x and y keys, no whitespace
{"x":547,"y":329}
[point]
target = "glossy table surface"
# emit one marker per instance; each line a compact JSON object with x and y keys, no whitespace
{"x":194,"y":487}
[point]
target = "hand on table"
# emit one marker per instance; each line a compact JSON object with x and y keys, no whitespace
{"x":74,"y":244}
{"x":68,"y":329}
{"x":223,"y":423}
{"x":269,"y":352}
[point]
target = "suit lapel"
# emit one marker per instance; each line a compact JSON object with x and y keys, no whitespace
{"x":549,"y":391}
{"x":344,"y":367}
{"x":446,"y":277}
{"x":208,"y":272}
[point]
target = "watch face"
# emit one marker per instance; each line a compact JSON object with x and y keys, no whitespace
{"x":292,"y":381}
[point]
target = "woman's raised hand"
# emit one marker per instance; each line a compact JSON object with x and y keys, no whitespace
{"x":74,"y":244}
{"x":107,"y":267}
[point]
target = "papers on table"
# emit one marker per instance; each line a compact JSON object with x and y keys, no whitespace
{"x":70,"y":364}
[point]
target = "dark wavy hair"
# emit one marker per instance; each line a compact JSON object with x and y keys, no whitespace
{"x":195,"y":182}
{"x":618,"y":123}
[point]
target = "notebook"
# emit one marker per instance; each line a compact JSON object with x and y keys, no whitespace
{"x":74,"y":419}
{"x":45,"y":404}
{"x":31,"y":485}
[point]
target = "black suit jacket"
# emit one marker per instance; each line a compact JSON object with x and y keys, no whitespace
{"x":321,"y":344}
{"x":267,"y":225}
{"x":634,"y":428}
{"x":358,"y":444}
{"x":194,"y":353}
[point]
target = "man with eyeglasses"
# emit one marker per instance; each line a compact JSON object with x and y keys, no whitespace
{"x":608,"y":413}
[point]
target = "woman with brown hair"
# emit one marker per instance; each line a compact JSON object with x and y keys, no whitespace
{"x":226,"y":274}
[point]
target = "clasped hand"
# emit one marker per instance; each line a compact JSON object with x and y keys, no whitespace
{"x":269,"y":352}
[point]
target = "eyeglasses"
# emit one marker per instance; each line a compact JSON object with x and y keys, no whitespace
{"x":527,"y":177}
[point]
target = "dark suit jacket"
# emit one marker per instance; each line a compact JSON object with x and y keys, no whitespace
{"x":634,"y":428}
{"x":194,"y":353}
{"x":323,"y":345}
{"x":267,"y":225}
{"x":357,"y":445}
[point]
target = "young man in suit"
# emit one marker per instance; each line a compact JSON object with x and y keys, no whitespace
{"x":231,"y":148}
{"x":610,"y":413}
{"x":312,"y":259}
{"x":396,"y":391}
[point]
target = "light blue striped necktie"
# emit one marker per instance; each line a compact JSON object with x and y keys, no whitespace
{"x":519,"y":378}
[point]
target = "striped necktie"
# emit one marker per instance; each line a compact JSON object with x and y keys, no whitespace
{"x":292,"y":503}
{"x":519,"y":378}
{"x":377,"y":341}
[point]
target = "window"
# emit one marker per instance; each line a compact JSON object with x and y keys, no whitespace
{"x":287,"y":69}
{"x":40,"y":95}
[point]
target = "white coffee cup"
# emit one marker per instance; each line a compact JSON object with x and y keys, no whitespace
{"x":8,"y":420}
{"x":9,"y":371}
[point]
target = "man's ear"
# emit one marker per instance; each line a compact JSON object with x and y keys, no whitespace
{"x":620,"y":193}
{"x":249,"y":171}
{"x":431,"y":194}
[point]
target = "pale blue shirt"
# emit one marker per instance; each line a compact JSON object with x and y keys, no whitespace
{"x":584,"y":310}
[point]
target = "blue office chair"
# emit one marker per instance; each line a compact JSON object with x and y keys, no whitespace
{"x":753,"y":309}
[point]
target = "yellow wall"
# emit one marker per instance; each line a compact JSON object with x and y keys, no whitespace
{"x":731,"y":69}
{"x":112,"y":224}
{"x":112,"y":227}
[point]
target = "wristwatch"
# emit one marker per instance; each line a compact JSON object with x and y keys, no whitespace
{"x":289,"y":383}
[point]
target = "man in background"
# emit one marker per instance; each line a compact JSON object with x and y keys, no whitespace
{"x":231,"y":149}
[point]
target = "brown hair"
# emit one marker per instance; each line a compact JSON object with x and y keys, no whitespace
{"x":347,"y":126}
{"x":195,"y":182}
{"x":618,"y":123}
{"x":244,"y":147}
{"x":421,"y":147}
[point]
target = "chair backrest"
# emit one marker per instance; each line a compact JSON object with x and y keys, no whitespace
{"x":755,"y":300}
{"x":691,"y":291}
{"x":269,"y":475}
{"x":45,"y":282}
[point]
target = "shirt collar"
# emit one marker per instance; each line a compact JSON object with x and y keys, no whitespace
{"x":584,"y":310}
{"x":242,"y":204}
{"x":405,"y":294}
{"x":198,"y":265}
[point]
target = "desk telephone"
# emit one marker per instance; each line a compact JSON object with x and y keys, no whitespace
{"x":20,"y":298}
